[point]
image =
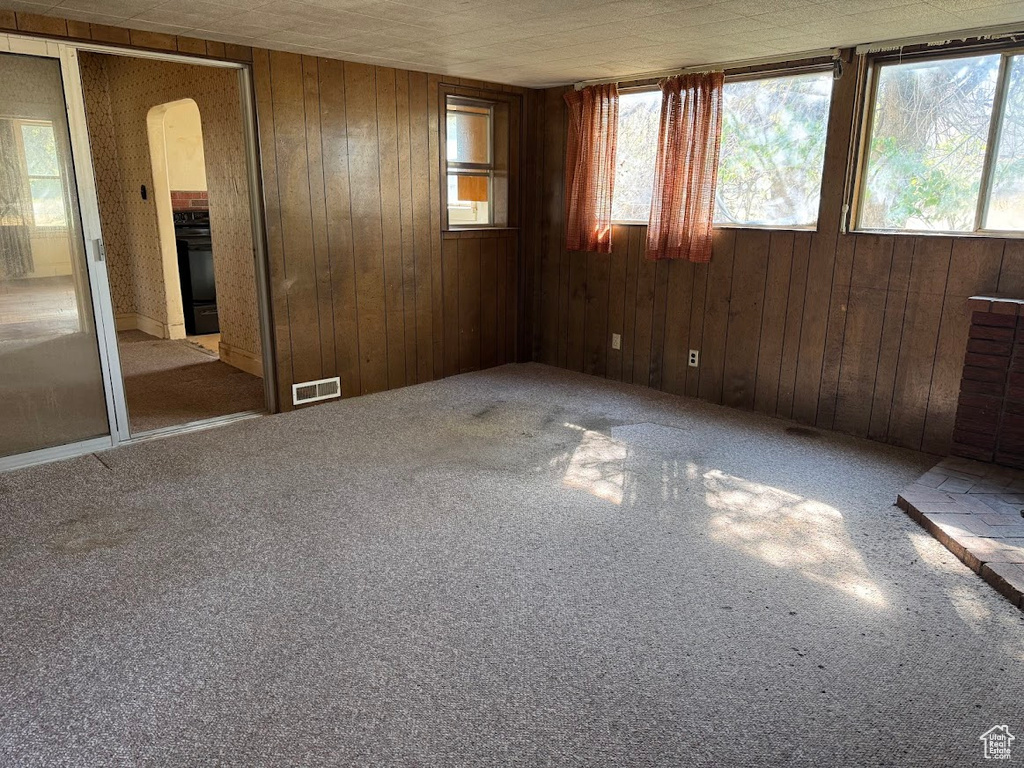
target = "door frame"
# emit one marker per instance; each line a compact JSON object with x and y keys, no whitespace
{"x":91,"y":233}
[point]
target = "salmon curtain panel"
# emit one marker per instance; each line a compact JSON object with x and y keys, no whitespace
{"x":590,"y":167}
{"x":686,"y":171}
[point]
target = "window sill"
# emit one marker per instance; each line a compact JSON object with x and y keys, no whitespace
{"x":755,"y":227}
{"x":459,"y":232}
{"x":980,"y":235}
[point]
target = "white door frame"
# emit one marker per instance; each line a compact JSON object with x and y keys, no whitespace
{"x":103,"y":311}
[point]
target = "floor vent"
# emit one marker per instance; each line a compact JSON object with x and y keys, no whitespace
{"x":311,"y":391}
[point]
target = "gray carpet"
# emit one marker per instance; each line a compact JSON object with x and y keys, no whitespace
{"x":172,"y":382}
{"x":517,"y":567}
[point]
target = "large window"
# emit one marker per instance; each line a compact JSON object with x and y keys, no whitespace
{"x":773,"y":148}
{"x":944,"y":150}
{"x":636,"y":149}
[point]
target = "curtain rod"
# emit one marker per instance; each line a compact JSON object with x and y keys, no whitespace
{"x":960,"y":35}
{"x":721,"y":66}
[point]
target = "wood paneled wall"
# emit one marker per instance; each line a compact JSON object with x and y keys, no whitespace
{"x":860,"y":333}
{"x":364,"y":284}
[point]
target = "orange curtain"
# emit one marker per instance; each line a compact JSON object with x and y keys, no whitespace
{"x":687,"y":167}
{"x":590,"y":167}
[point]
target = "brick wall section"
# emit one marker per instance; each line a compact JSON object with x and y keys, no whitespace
{"x":190,"y":201}
{"x":989,"y":422}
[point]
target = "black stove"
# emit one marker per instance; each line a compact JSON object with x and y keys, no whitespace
{"x":195,"y":270}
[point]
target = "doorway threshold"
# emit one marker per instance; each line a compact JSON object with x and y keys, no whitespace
{"x":192,"y":426}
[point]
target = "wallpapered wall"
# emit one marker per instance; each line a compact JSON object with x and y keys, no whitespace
{"x":119,"y":92}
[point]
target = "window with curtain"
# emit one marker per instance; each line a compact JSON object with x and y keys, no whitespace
{"x":771,"y":157}
{"x":944,"y":150}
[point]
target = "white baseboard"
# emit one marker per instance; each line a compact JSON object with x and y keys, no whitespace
{"x":132,"y":321}
{"x":241,"y":359}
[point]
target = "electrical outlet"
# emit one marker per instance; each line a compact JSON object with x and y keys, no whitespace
{"x":694,"y":358}
{"x":616,"y":341}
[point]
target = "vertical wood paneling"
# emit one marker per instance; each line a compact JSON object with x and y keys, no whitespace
{"x":698,"y":302}
{"x":367,"y":224}
{"x":716,"y":316}
{"x":892,"y":333}
{"x":469,"y":304}
{"x":773,"y":321}
{"x":450,"y":293}
{"x":973,"y":268}
{"x":858,"y":332}
{"x":391,"y":225}
{"x":676,"y":325}
{"x":436,"y":251}
{"x":596,"y":338}
{"x":921,"y":317}
{"x":553,"y":146}
{"x":408,"y":234}
{"x":746,"y":301}
{"x":644,"y":313}
{"x":858,"y":367}
{"x":318,"y":214}
{"x":633,"y":255}
{"x":423,"y":223}
{"x":656,"y":367}
{"x":300,"y":278}
{"x":835,"y":332}
{"x":794,"y":324}
{"x":334,"y":135}
{"x":616,"y":297}
{"x":576,"y":309}
{"x":488,"y":300}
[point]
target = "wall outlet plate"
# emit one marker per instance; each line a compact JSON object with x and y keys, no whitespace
{"x":694,"y":358}
{"x":616,"y":341}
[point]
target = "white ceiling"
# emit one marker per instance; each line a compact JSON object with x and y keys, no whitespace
{"x":539,"y":42}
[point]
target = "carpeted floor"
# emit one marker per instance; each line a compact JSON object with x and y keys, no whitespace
{"x":517,"y":567}
{"x":168,"y":383}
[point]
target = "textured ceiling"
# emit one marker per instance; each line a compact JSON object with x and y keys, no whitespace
{"x":539,"y":42}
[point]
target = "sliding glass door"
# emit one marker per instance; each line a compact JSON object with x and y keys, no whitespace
{"x":51,"y":371}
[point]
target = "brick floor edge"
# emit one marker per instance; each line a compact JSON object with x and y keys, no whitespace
{"x":977,"y":511}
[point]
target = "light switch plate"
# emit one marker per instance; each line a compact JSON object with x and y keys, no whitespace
{"x":694,"y":358}
{"x":616,"y":341}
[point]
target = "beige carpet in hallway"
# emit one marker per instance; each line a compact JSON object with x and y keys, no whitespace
{"x":169,"y":382}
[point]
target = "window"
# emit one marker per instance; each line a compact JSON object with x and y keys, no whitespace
{"x":636,"y":150}
{"x":773,"y":149}
{"x":471,"y":166}
{"x":42,"y":170}
{"x":944,"y":150}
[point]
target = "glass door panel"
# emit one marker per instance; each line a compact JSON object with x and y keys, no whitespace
{"x":51,"y":380}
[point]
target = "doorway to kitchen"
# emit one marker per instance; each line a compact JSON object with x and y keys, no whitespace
{"x":168,"y":145}
{"x":95,"y":276}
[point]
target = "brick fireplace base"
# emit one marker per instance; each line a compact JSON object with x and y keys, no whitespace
{"x":974,"y":509}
